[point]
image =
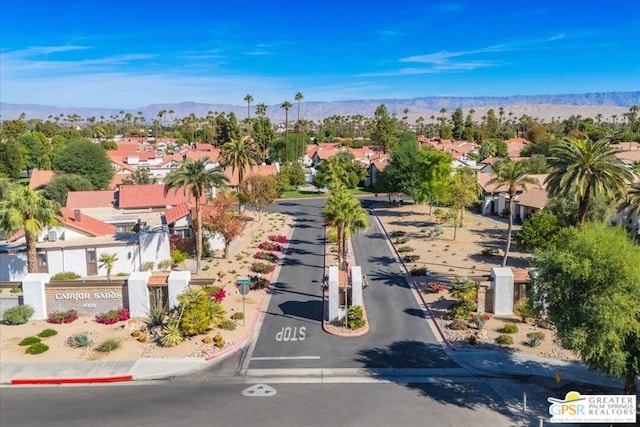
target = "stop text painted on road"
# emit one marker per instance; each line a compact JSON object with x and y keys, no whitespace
{"x":289,"y":333}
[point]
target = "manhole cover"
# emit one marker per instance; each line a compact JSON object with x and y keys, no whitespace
{"x":259,"y":390}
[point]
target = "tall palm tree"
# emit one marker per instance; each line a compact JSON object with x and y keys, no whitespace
{"x":239,"y":154}
{"x":582,"y":168}
{"x":286,"y":105}
{"x":248,"y":99}
{"x":347,"y":216}
{"x":514,"y":176}
{"x":28,"y":210}
{"x":195,"y":177}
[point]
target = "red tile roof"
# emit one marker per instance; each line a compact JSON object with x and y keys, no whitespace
{"x":149,"y":196}
{"x":196,"y":155}
{"x":40,"y":178}
{"x":520,"y":275}
{"x":534,"y":197}
{"x":118,"y":180}
{"x":86,"y":223}
{"x":158,"y":280}
{"x":176,"y":212}
{"x":90,"y":199}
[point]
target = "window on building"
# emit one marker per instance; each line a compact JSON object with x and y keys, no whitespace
{"x":185,"y":233}
{"x":42,"y":259}
{"x":91,"y":256}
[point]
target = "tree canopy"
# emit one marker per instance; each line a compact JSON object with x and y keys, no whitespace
{"x":86,"y":159}
{"x":589,"y":286}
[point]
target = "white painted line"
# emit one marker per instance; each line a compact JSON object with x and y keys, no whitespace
{"x":287,"y":358}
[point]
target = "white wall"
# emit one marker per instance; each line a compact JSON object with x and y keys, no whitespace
{"x":13,"y":267}
{"x":154,"y":246}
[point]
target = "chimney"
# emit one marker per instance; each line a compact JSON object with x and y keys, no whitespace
{"x":76,"y":215}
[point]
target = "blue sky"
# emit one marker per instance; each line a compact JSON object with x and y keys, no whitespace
{"x":128,"y":54}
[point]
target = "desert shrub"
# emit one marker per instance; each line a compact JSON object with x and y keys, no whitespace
{"x":411,"y":258}
{"x":270,"y":246}
{"x":18,"y":315}
{"x":539,"y":335}
{"x":403,"y":249}
{"x":355,"y":317}
{"x":207,"y":340}
{"x":461,"y":309}
{"x":47,"y":333}
{"x":113,"y":316}
{"x":458,"y":325}
{"x":438,"y":230}
{"x":178,"y":257}
{"x":197,"y":311}
{"x":165,"y":265}
{"x":420,"y":271}
{"x":266,"y":256}
{"x":332,"y":235}
{"x":278,"y":239}
{"x":81,"y":339}
{"x":509,"y":328}
{"x":60,"y":317}
{"x":259,"y":283}
{"x":238,"y":315}
{"x":504,"y":340}
{"x":16,"y":290}
{"x":489,"y":252}
{"x":37,"y":348}
{"x":157,"y":312}
{"x":472,"y":339}
{"x":65,"y":275}
{"x":398,"y":233}
{"x":108,"y":345}
{"x":146,"y":266}
{"x":171,"y":335}
{"x":401,"y":240}
{"x":524,"y":309}
{"x":227,"y":325}
{"x":261,"y":267}
{"x":479,"y":319}
{"x":29,"y":341}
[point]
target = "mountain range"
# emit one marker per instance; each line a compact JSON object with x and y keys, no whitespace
{"x":542,"y":106}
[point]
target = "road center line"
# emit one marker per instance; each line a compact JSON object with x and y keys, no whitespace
{"x":287,"y":358}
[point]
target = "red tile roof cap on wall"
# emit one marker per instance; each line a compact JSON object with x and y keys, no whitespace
{"x":90,"y":199}
{"x":150,"y":196}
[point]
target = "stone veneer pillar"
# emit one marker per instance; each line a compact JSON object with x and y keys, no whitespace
{"x":138,"y":293}
{"x":178,"y":283}
{"x":356,"y":285}
{"x":502,"y":285}
{"x":333,"y":294}
{"x":33,"y":294}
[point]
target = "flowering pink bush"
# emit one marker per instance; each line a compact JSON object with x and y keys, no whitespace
{"x":262,"y":267}
{"x":113,"y":316}
{"x":218,"y":294}
{"x":278,"y":239}
{"x":483,"y":316}
{"x":436,"y":287}
{"x":270,"y":246}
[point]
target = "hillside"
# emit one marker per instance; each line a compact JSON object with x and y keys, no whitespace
{"x":542,"y":106}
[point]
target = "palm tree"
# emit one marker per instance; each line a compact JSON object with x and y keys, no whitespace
{"x":28,"y":210}
{"x":197,"y":178}
{"x":582,"y":168}
{"x":108,"y":260}
{"x":632,"y":202}
{"x":248,"y":99}
{"x":286,"y":105}
{"x":347,"y":216}
{"x":261,"y":110}
{"x":239,"y":154}
{"x":514,"y":176}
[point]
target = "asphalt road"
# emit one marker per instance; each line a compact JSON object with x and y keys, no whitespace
{"x":215,"y":404}
{"x":292,"y":336}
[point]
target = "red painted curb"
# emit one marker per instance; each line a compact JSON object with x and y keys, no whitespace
{"x":120,"y":378}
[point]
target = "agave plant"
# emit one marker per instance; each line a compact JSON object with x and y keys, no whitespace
{"x":171,"y":335}
{"x":81,"y":339}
